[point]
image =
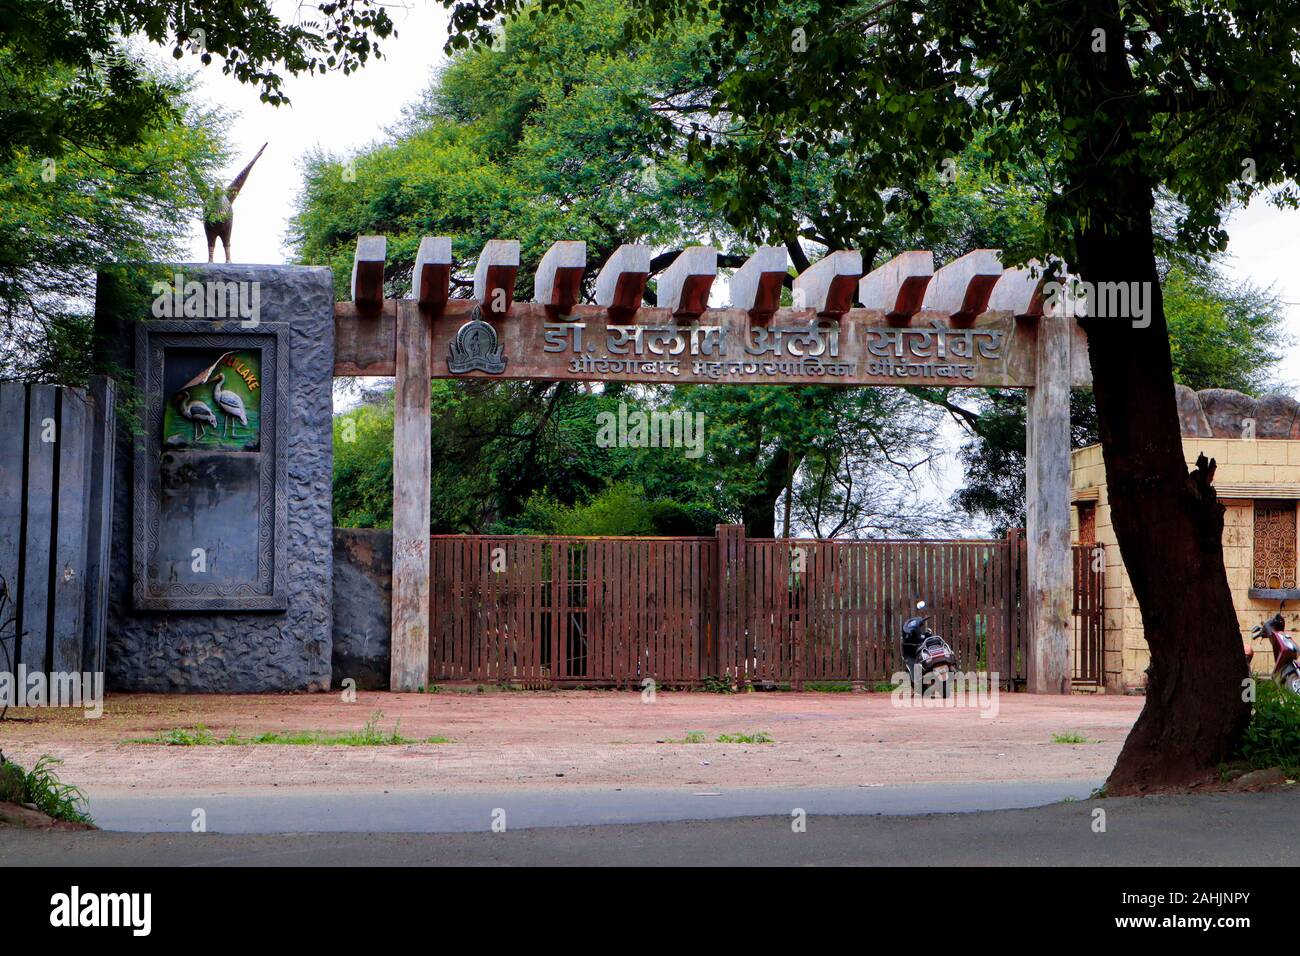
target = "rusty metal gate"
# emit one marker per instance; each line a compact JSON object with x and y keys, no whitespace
{"x":540,"y":611}
{"x":1089,"y":617}
{"x":595,"y":611}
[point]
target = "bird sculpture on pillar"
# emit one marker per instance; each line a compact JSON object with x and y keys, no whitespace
{"x":219,"y":211}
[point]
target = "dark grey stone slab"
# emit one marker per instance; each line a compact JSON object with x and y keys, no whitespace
{"x":13,"y":417}
{"x":363,"y":597}
{"x":1191,"y":417}
{"x":1278,"y":416}
{"x":103,"y":393}
{"x":68,"y":582}
{"x":1226,"y":410}
{"x":232,"y":650}
{"x":38,"y":528}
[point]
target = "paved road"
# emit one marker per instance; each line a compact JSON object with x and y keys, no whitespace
{"x":1222,"y":829}
{"x":413,"y":811}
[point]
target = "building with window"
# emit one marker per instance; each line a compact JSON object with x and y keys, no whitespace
{"x":1256,"y":444}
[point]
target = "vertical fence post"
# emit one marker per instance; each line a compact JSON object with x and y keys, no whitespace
{"x":730,"y":591}
{"x":412,"y":451}
{"x":1016,"y":596}
{"x":1047,"y":507}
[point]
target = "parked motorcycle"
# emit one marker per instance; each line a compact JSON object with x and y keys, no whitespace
{"x":928,"y":657}
{"x":1286,"y":668}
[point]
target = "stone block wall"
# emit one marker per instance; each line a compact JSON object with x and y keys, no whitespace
{"x":233,"y":651}
{"x":363,"y":596}
{"x":1274,"y":463}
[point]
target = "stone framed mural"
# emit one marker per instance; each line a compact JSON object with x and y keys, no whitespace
{"x":219,"y":406}
{"x":209,"y":506}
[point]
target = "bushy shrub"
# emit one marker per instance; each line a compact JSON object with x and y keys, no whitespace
{"x":1272,"y":738}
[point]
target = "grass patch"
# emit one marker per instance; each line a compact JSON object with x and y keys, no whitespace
{"x":1272,"y":738}
{"x":700,"y":737}
{"x":692,"y":737}
{"x":716,"y":685}
{"x":829,"y":686}
{"x":884,"y":687}
{"x":42,"y":788}
{"x":761,"y":737}
{"x":368,"y":736}
{"x":1073,"y":738}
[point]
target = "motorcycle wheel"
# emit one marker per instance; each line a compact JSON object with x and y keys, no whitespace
{"x":1293,"y":683}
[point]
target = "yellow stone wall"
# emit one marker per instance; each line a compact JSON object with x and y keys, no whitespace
{"x":1267,"y":461}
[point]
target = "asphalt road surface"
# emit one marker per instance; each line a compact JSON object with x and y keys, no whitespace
{"x":416,"y":811}
{"x":1218,"y":829}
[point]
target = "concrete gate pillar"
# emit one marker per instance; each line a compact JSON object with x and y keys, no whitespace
{"x":1047,"y":493}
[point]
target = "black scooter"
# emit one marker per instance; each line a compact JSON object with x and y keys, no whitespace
{"x":928,"y":657}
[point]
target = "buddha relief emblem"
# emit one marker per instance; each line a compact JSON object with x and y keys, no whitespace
{"x":475,"y":348}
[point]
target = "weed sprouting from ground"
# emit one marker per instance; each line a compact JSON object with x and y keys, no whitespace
{"x":1073,"y":738}
{"x":41,"y":787}
{"x":368,"y":736}
{"x":1272,"y":738}
{"x":759,"y":737}
{"x":700,"y":737}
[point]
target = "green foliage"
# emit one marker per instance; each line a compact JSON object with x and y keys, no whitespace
{"x":369,"y":735}
{"x":550,"y":138}
{"x":716,"y":685}
{"x":758,"y":737}
{"x":64,"y":215}
{"x":100,"y":98}
{"x":42,"y":788}
{"x":1072,"y":738}
{"x":546,"y":140}
{"x":1223,"y":334}
{"x":1272,"y":738}
{"x":363,"y":467}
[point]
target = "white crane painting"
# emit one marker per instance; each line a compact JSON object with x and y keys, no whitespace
{"x":231,"y":405}
{"x":227,"y":389}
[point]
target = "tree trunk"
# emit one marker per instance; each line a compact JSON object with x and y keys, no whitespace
{"x":1169,"y":524}
{"x":758,"y":511}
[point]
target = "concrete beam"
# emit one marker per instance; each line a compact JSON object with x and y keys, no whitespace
{"x":431,"y":278}
{"x":1020,"y":291}
{"x":494,"y":276}
{"x":368,"y":273}
{"x":558,"y":284}
{"x":898,"y":287}
{"x":827,"y":286}
{"x":620,"y":284}
{"x":684,"y":286}
{"x":412,"y":459}
{"x":1047,"y":500}
{"x":756,"y":286}
{"x":962,"y":287}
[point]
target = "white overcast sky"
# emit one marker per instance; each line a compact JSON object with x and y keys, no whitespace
{"x":344,"y":113}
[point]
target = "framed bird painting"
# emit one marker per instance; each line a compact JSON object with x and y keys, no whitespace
{"x":210,"y":466}
{"x":214,"y":399}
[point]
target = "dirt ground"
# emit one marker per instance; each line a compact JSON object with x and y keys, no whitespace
{"x":573,"y":739}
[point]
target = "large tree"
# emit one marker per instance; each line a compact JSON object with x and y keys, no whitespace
{"x":1125,"y":105}
{"x":548,"y":135}
{"x":101,"y":148}
{"x":1222,"y":334}
{"x":63,"y":215}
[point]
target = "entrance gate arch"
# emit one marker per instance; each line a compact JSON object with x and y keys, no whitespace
{"x":970,"y":323}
